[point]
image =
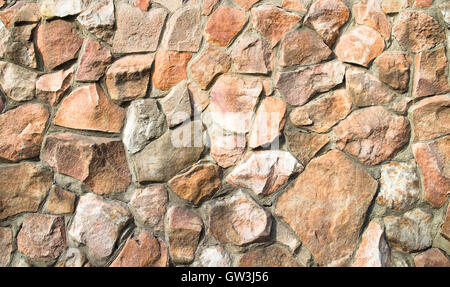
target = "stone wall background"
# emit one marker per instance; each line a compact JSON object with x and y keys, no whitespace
{"x":336,"y":151}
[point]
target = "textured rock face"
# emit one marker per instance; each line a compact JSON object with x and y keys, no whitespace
{"x":170,"y":68}
{"x":149,"y":206}
{"x":60,"y":8}
{"x":16,"y":82}
{"x":99,"y":20}
{"x":326,"y":206}
{"x":60,"y":201}
{"x":393,"y":69}
{"x":252,"y":55}
{"x":227,"y":150}
{"x":445,"y":228}
{"x":6,"y":246}
{"x":368,"y":12}
{"x":184,"y":30}
{"x":433,"y":257}
{"x":141,"y":250}
{"x":373,"y":250}
{"x":50,"y":88}
{"x":214,"y":256}
{"x":93,"y":62}
{"x":272,"y":256}
{"x":212,"y":62}
{"x":304,"y":146}
{"x":223,"y":25}
{"x":177,"y":105}
{"x":430,"y":118}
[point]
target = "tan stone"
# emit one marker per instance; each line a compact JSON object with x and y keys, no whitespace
{"x":17,"y":83}
{"x":394,"y":6}
{"x":208,"y":6}
{"x":431,"y":118}
{"x":305,"y":146}
{"x":246,"y":4}
{"x":6,"y":242}
{"x":93,"y":62}
{"x":252,"y":55}
{"x":369,"y":13}
{"x":50,"y":88}
{"x":294,"y":5}
{"x":170,"y":68}
{"x":223,"y":25}
{"x":393,"y":69}
{"x":227,"y":150}
{"x":445,"y":228}
{"x":184,"y":30}
{"x":172,"y":5}
{"x":60,"y":201}
{"x":433,"y":257}
{"x":20,"y":12}
{"x":199,"y":98}
{"x":211,"y":63}
{"x":149,"y":206}
{"x":141,"y":250}
{"x":99,"y":20}
{"x":272,"y":256}
{"x":21,"y":53}
{"x":177,"y":105}
{"x":373,"y":251}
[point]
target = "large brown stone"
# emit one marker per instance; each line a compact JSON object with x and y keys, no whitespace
{"x":141,"y":250}
{"x":304,"y":146}
{"x":252,"y":55}
{"x":224,"y":24}
{"x":373,"y":251}
{"x":6,"y":246}
{"x":272,"y":256}
{"x":431,"y":118}
{"x":99,"y":20}
{"x":149,"y":206}
{"x":393,"y":69}
{"x":369,"y":13}
{"x":60,"y":201}
{"x":170,"y":68}
{"x":93,"y":62}
{"x":212,"y":62}
{"x":184,"y":30}
{"x":50,"y":88}
{"x":17,"y":83}
{"x":326,"y":206}
{"x":433,"y":257}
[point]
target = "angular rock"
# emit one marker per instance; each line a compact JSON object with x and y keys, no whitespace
{"x":223,"y":25}
{"x":141,"y":250}
{"x":284,"y":235}
{"x":149,"y":206}
{"x":208,"y":6}
{"x":98,"y":223}
{"x":21,"y":53}
{"x":93,"y":62}
{"x":369,"y":13}
{"x":16,"y":82}
{"x":297,"y":87}
{"x":433,"y":257}
{"x":22,"y":33}
{"x":373,"y":251}
{"x":252,"y":55}
{"x":272,"y":256}
{"x":60,"y":8}
{"x":372,"y":134}
{"x":305,"y":146}
{"x":431,"y":117}
{"x":326,"y":206}
{"x":184,"y":30}
{"x":211,"y":63}
{"x":445,"y":228}
{"x":177,"y":105}
{"x":88,"y":108}
{"x":170,"y":68}
{"x":214,"y":256}
{"x":60,"y":201}
{"x":172,"y":5}
{"x":394,"y":6}
{"x":50,"y":88}
{"x":294,"y":5}
{"x":227,"y":150}
{"x":99,"y":20}
{"x":393,"y":69}
{"x":98,"y":162}
{"x":6,"y":246}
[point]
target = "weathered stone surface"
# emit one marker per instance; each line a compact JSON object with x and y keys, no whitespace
{"x":93,"y":62}
{"x":417,"y":31}
{"x":137,"y":31}
{"x":5,"y":246}
{"x":304,"y":146}
{"x":183,"y":229}
{"x":60,"y":8}
{"x":431,"y":118}
{"x":372,"y":134}
{"x":20,"y":12}
{"x":99,"y":20}
{"x":223,"y":25}
{"x":369,"y":13}
{"x":434,"y":161}
{"x":429,"y":73}
{"x":410,"y":232}
{"x":4,"y":38}
{"x":227,"y":150}
{"x":21,"y":53}
{"x":359,"y":46}
{"x":177,"y":105}
{"x":184,"y":30}
{"x":264,"y":171}
{"x":98,"y":162}
{"x":445,"y":228}
{"x":97,"y":224}
{"x":42,"y":237}
{"x":128,"y":78}
{"x":170,"y":68}
{"x":246,"y":4}
{"x":164,"y":157}
{"x":57,"y":42}
{"x":211,"y":63}
{"x":88,"y":108}
{"x":433,"y":257}
{"x":326,"y":206}
{"x":145,"y":122}
{"x":172,"y":5}
{"x":22,"y":33}
{"x":17,"y":83}
{"x":321,"y":114}
{"x":23,"y":187}
{"x":303,"y":47}
{"x":393,"y":69}
{"x":285,"y":236}
{"x":238,"y":220}
{"x":208,"y":6}
{"x":60,"y":201}
{"x":268,"y":123}
{"x":141,"y":250}
{"x":233,"y":100}
{"x":294,"y":5}
{"x":71,"y":258}
{"x":327,"y":17}
{"x":199,"y":98}
{"x":272,"y":22}
{"x":444,"y":10}
{"x":50,"y":88}
{"x":299,"y":86}
{"x":394,"y":6}
{"x":252,"y":55}
{"x":149,"y":206}
{"x":400,"y":186}
{"x":365,"y":89}
{"x":373,"y":251}
{"x":214,"y":256}
{"x":272,"y":256}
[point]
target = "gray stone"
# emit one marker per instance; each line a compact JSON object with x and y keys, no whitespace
{"x":184,"y":30}
{"x":177,"y":105}
{"x":99,"y":20}
{"x":18,"y":83}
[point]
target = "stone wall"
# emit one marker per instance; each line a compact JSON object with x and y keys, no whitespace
{"x":224,"y":133}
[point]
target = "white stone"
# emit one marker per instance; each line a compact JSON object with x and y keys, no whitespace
{"x":60,"y":8}
{"x":99,"y":20}
{"x":214,"y":256}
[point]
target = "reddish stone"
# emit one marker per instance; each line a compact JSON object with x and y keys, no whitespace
{"x":149,"y":206}
{"x":393,"y":69}
{"x":20,"y":12}
{"x":211,"y":63}
{"x":170,"y":68}
{"x":224,"y":24}
{"x":50,"y":88}
{"x":433,"y":257}
{"x":373,"y":251}
{"x":141,"y":250}
{"x":93,"y":62}
{"x":208,"y":6}
{"x":272,"y":256}
{"x":369,"y":13}
{"x":183,"y":32}
{"x":252,"y":55}
{"x":294,"y":5}
{"x":394,"y":6}
{"x":246,"y":4}
{"x":144,"y":5}
{"x":423,"y":3}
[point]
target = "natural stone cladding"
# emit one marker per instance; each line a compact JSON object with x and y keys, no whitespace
{"x":162,"y":133}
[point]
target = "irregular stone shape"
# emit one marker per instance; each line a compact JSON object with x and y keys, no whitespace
{"x":145,"y":122}
{"x":327,"y":17}
{"x":284,"y":235}
{"x":144,"y":5}
{"x":22,"y":33}
{"x":410,"y":232}
{"x":184,"y":30}
{"x":50,"y":88}
{"x":198,"y":184}
{"x":268,"y":123}
{"x":393,"y":69}
{"x":21,"y":53}
{"x":417,"y":31}
{"x":369,"y":13}
{"x":23,"y":187}
{"x":434,"y":161}
{"x":93,"y":62}
{"x":170,"y":68}
{"x":60,"y":8}
{"x":252,"y":55}
{"x":137,"y":31}
{"x":163,"y":260}
{"x":42,"y":237}
{"x":299,"y":86}
{"x":6,"y":246}
{"x":164,"y":157}
{"x":20,"y":12}
{"x":233,"y":100}
{"x":246,"y":4}
{"x":303,"y":47}
{"x":394,"y":6}
{"x":199,"y":98}
{"x":98,"y":162}
{"x":359,"y":46}
{"x":177,"y":105}
{"x":211,"y":63}
{"x":214,"y":256}
{"x":365,"y":89}
{"x":273,"y":22}
{"x":223,"y":25}
{"x":88,"y":108}
{"x":430,"y":118}
{"x":238,"y":220}
{"x":208,"y":6}
{"x":149,"y":206}
{"x":294,"y":5}
{"x":400,"y":186}
{"x":98,"y":223}
{"x":372,"y":134}
{"x":264,"y":171}
{"x":17,"y":83}
{"x":99,"y":20}
{"x":272,"y":256}
{"x":4,"y":38}
{"x":172,"y":5}
{"x":321,"y":114}
{"x":128,"y":78}
{"x":183,"y":229}
{"x":305,"y":146}
{"x":60,"y":201}
{"x":373,"y":250}
{"x":227,"y":150}
{"x":400,"y":105}
{"x":433,"y":257}
{"x":57,"y":42}
{"x":429,"y":73}
{"x":445,"y":228}
{"x":71,"y":258}
{"x":326,"y":206}
{"x":141,"y":250}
